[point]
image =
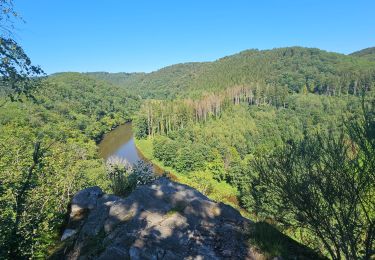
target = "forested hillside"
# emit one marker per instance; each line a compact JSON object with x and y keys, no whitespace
{"x":97,"y":106}
{"x":293,"y":165}
{"x":286,"y":136}
{"x":368,"y":53}
{"x":213,"y":140}
{"x":220,"y":127}
{"x":244,"y":116}
{"x":296,"y":68}
{"x":48,"y":152}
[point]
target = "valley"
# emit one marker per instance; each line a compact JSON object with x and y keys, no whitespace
{"x":187,"y":130}
{"x":226,"y":128}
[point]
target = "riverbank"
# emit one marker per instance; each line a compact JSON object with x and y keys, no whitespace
{"x":121,"y":142}
{"x":202,"y":181}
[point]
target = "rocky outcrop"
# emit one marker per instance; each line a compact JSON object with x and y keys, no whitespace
{"x":164,"y":220}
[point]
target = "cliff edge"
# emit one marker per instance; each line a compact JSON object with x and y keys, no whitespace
{"x":164,"y":220}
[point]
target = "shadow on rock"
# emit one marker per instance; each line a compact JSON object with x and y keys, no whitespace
{"x":164,"y":220}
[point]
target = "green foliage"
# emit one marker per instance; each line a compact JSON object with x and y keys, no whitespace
{"x":96,"y":107}
{"x":35,"y":193}
{"x":222,"y":149}
{"x":325,"y":185}
{"x":142,"y":173}
{"x":140,"y":127}
{"x":185,"y":157}
{"x":67,"y":115}
{"x":165,"y":150}
{"x":209,"y":140}
{"x":217,"y":166}
{"x":205,"y":182}
{"x":368,"y":53}
{"x":270,"y":240}
{"x":124,"y":178}
{"x":16,"y":73}
{"x":185,"y":161}
{"x":118,"y":171}
{"x":201,"y":180}
{"x":296,"y":68}
{"x":223,"y":144}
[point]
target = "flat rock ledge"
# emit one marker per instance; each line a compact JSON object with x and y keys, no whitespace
{"x":164,"y":220}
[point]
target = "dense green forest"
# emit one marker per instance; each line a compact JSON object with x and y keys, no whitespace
{"x":296,"y":68}
{"x":224,"y":136}
{"x":221,"y":137}
{"x":368,"y":53}
{"x":243,"y":143}
{"x":48,"y":152}
{"x":286,"y":134}
{"x":229,"y":127}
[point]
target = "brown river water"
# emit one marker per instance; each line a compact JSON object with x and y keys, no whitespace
{"x":120,"y":142}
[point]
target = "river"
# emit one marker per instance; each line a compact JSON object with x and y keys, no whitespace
{"x":120,"y":142}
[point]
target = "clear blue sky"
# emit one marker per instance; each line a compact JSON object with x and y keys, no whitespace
{"x":139,"y":35}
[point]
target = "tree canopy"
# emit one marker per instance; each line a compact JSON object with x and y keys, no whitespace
{"x":48,"y":152}
{"x":296,"y":68}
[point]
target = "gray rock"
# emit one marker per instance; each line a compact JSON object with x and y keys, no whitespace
{"x":68,"y":233}
{"x":227,"y":253}
{"x":164,"y":220}
{"x":84,"y":200}
{"x":114,"y":253}
{"x":134,"y":253}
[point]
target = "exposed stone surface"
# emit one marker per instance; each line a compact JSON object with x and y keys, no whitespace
{"x":165,"y":220}
{"x":68,"y":233}
{"x":84,"y":200}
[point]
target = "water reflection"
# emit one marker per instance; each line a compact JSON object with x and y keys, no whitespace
{"x":120,"y":142}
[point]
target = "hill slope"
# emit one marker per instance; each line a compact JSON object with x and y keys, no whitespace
{"x":88,"y":100}
{"x":48,"y":151}
{"x":368,"y":53}
{"x":298,"y":68}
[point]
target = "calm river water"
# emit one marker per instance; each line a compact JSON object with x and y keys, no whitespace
{"x":120,"y":142}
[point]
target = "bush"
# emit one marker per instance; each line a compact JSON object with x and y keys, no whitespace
{"x":118,"y":171}
{"x":125,"y":178}
{"x":142,"y":173}
{"x":325,"y":184}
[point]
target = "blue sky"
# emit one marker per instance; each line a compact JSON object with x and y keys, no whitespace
{"x":140,"y":35}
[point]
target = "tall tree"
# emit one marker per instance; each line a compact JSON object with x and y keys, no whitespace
{"x":17,"y":74}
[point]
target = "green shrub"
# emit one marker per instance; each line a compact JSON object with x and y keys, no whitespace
{"x":119,"y":171}
{"x":124,"y":178}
